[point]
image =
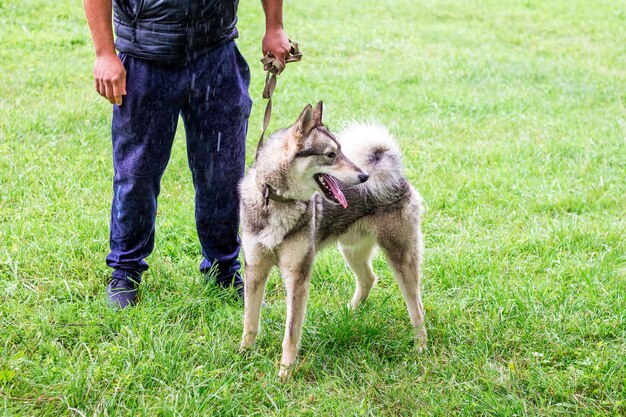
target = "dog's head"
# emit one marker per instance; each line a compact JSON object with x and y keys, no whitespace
{"x":318,"y":162}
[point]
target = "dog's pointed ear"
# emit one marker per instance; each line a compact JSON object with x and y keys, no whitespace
{"x":317,"y":114}
{"x":305,"y":123}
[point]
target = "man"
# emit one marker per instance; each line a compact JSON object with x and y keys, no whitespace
{"x":175,"y":57}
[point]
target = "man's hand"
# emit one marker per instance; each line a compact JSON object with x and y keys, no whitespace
{"x":110,"y":78}
{"x":108,"y":72}
{"x":276,"y":42}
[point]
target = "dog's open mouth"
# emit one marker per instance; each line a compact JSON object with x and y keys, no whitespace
{"x":331,"y":189}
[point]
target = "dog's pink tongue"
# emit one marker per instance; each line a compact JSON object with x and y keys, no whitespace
{"x":334,"y":188}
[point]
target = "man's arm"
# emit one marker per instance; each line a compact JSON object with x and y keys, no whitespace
{"x":275,"y":39}
{"x":108,"y":71}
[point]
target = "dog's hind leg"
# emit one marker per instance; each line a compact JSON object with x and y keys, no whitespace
{"x":255,"y":277}
{"x":402,"y":246}
{"x":358,"y":253}
{"x":296,"y":272}
{"x":407,"y":273}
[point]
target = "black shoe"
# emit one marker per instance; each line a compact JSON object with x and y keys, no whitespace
{"x":122,"y":292}
{"x":235,"y":282}
{"x":240,"y":291}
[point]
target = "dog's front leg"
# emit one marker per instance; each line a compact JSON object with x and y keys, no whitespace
{"x":255,"y":277}
{"x":296,"y":276}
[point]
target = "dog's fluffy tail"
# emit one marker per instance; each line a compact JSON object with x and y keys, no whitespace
{"x":374,"y":149}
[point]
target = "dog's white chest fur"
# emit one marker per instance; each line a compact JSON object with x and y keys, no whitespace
{"x":282,"y":221}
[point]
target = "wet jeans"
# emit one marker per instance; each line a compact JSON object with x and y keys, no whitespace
{"x":211,"y":95}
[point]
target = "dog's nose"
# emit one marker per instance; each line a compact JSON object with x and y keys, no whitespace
{"x":363,"y":177}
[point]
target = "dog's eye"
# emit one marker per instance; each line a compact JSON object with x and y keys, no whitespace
{"x":331,"y":155}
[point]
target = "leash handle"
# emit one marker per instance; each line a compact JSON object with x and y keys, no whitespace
{"x":274,"y":67}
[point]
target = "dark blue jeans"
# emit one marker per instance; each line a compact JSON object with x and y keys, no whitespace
{"x":211,"y":94}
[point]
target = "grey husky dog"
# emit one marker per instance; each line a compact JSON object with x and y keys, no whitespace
{"x":309,"y":188}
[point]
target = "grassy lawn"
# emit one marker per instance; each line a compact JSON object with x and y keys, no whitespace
{"x":512,"y":119}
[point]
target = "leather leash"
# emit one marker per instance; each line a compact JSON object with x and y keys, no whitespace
{"x":274,"y":67}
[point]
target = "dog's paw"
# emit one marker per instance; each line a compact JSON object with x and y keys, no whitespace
{"x":247,"y":341}
{"x":355,"y":303}
{"x":284,"y":373}
{"x":421,"y":346}
{"x":244,"y":350}
{"x":421,"y":339}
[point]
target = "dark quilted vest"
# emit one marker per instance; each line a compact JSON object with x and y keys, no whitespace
{"x":172,"y":31}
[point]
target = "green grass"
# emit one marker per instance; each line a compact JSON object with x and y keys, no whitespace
{"x":512,"y":119}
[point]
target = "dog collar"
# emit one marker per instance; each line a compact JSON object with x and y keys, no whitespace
{"x":270,"y":194}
